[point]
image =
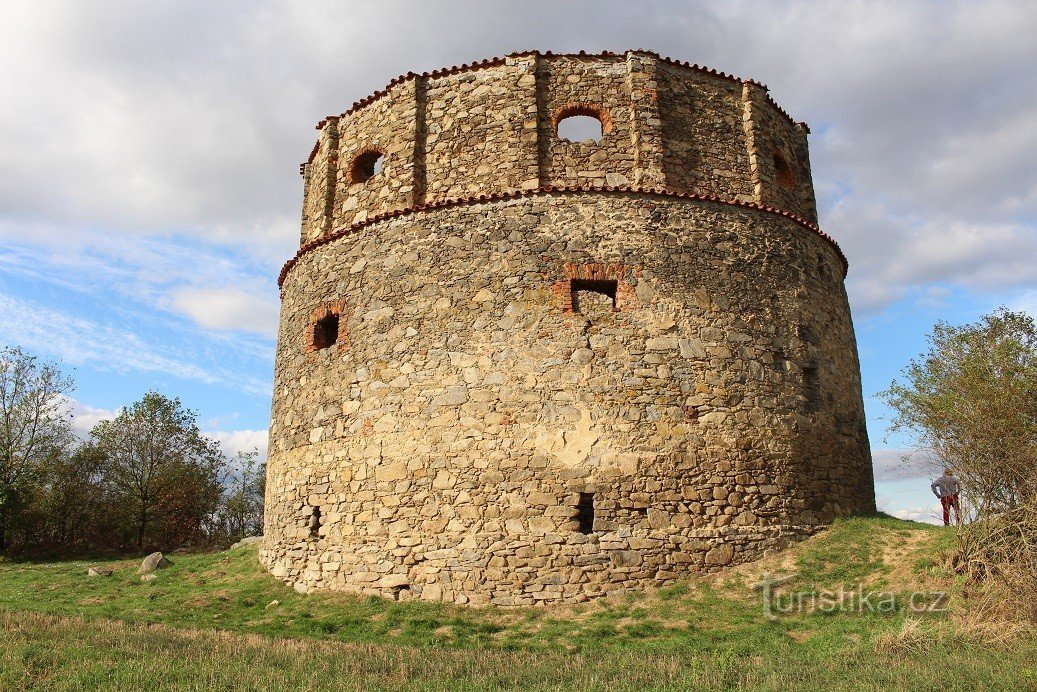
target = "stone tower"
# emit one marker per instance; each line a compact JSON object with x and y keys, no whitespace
{"x":517,"y":369}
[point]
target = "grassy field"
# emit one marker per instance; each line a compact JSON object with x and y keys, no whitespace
{"x":211,"y":621}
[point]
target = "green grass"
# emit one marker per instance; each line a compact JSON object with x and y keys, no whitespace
{"x":208,"y":621}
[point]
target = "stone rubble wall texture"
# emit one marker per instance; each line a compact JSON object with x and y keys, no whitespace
{"x":713,"y":410}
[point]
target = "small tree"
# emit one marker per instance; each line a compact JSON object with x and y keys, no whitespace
{"x":34,"y":425}
{"x":243,"y":504}
{"x":972,"y":402}
{"x":165,"y":472}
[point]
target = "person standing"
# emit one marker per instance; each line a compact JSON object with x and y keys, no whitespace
{"x":946,"y":487}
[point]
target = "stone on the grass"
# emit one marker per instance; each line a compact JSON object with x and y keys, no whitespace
{"x":99,"y":572}
{"x":272,"y":604}
{"x":153,"y":562}
{"x":150,"y":576}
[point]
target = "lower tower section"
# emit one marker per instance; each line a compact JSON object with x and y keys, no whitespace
{"x":558,"y":396}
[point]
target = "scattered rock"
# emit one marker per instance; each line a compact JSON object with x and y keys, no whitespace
{"x":153,"y":562}
{"x":272,"y":604}
{"x":150,"y":576}
{"x":99,"y":572}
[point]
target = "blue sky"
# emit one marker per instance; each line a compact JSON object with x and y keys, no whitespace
{"x":149,"y":186}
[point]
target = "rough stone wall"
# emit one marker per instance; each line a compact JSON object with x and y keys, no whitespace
{"x":492,"y":129}
{"x":448,"y":444}
{"x":457,"y":378}
{"x":705,"y":140}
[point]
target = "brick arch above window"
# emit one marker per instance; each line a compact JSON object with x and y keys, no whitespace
{"x":584,"y":108}
{"x":365,"y":164}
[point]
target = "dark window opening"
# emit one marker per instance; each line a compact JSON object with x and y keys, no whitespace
{"x":782,"y":170}
{"x":605,"y":287}
{"x":585,"y":513}
{"x":315,"y":523}
{"x":811,"y":388}
{"x":325,"y":332}
{"x":366,"y":166}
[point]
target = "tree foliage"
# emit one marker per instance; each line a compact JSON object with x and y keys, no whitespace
{"x":162,"y":470}
{"x":147,"y":478}
{"x":243,"y":504}
{"x":34,"y":427}
{"x":972,"y":402}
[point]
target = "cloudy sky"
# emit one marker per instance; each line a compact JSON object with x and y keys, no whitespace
{"x":149,"y":152}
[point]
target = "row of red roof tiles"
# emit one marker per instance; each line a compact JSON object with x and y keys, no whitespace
{"x":549,"y":189}
{"x":496,"y":61}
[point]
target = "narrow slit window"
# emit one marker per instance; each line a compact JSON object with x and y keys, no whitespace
{"x":585,"y":513}
{"x":325,"y":332}
{"x":593,"y":290}
{"x":315,"y":523}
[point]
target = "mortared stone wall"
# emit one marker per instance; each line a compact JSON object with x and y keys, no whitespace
{"x":515,"y":369}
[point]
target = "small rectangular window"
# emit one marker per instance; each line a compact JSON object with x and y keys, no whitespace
{"x":585,"y":513}
{"x":596,"y":289}
{"x":325,"y":332}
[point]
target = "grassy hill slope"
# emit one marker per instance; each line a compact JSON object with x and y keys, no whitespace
{"x":219,"y":620}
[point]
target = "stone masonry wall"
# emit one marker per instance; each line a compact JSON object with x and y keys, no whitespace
{"x":492,"y":129}
{"x":448,"y":444}
{"x":516,"y":369}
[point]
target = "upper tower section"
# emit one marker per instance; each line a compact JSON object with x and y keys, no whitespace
{"x":492,"y":128}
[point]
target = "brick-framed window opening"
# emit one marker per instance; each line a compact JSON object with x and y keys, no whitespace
{"x":366,"y":165}
{"x":325,"y":332}
{"x":605,"y":287}
{"x":326,"y":328}
{"x":582,"y":109}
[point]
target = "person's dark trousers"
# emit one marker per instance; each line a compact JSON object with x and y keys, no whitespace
{"x":948,"y":502}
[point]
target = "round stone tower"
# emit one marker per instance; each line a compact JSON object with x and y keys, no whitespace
{"x":518,"y":369}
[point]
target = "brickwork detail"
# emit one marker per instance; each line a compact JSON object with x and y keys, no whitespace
{"x":311,"y":336}
{"x":477,"y":436}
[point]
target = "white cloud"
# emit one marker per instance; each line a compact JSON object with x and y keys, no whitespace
{"x":926,"y":515}
{"x":902,"y":464}
{"x":106,"y":347}
{"x":227,"y":309}
{"x":234,"y":441}
{"x":1026,"y":302}
{"x":85,"y":417}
